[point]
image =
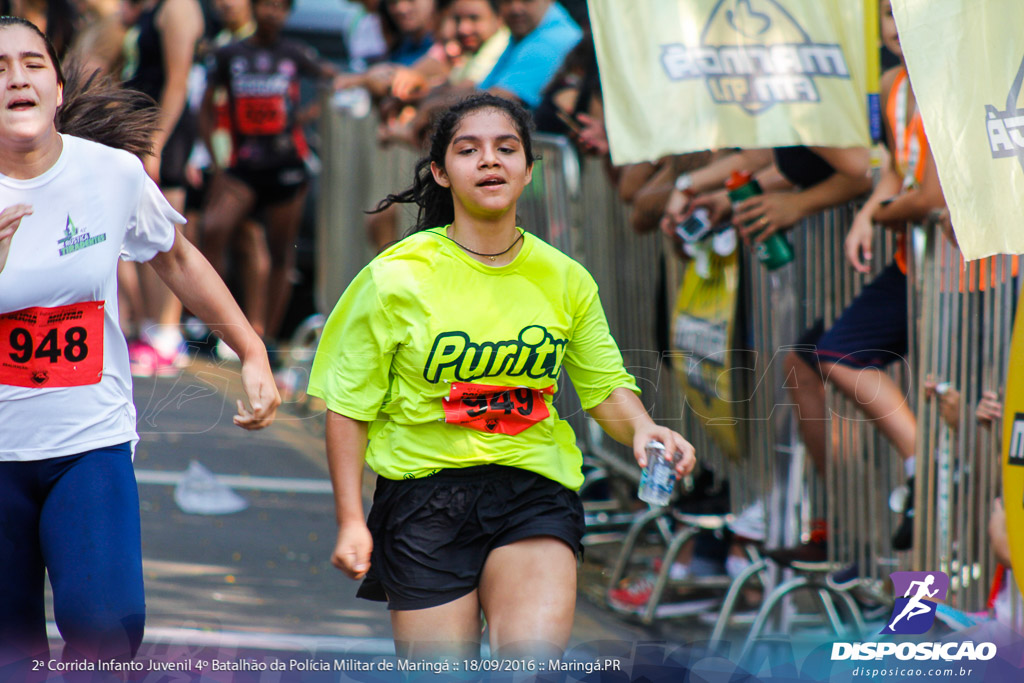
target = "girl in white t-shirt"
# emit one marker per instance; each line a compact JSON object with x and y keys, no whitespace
{"x":71,"y":207}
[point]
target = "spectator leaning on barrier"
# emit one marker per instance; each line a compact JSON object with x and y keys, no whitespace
{"x":798,"y":182}
{"x":480,"y":38}
{"x":872,"y":332}
{"x":364,"y":37}
{"x":409,"y":27}
{"x":449,"y":69}
{"x":543,"y":33}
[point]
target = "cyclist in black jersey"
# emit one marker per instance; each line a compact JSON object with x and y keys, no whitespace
{"x":267,"y":170}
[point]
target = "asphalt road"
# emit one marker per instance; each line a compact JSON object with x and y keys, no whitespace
{"x":256,"y":583}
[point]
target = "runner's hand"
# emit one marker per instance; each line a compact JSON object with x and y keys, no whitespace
{"x":261,"y":390}
{"x":673,"y":442}
{"x":352,"y":549}
{"x":10,"y":220}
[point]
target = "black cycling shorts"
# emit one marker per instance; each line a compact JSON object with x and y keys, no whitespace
{"x":431,"y":536}
{"x":273,"y":185}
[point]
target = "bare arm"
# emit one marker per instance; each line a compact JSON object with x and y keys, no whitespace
{"x":711,"y":177}
{"x":623,"y":417}
{"x":766,"y":214}
{"x":649,"y":200}
{"x":194,"y":281}
{"x":181,"y":26}
{"x":346,"y":452}
{"x":916,"y":204}
{"x":633,"y":177}
{"x":207,"y":121}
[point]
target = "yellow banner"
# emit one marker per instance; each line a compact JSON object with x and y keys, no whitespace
{"x":966,"y":65}
{"x":703,"y":338}
{"x":686,"y":75}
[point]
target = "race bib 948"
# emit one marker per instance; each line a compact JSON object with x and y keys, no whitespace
{"x":52,"y":347}
{"x":495,"y":409}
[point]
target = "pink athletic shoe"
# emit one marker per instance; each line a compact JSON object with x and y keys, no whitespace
{"x":142,"y":359}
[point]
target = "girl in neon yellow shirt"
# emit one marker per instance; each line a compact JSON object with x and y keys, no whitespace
{"x":444,"y":354}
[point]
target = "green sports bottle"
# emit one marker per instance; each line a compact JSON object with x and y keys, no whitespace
{"x":774,"y":252}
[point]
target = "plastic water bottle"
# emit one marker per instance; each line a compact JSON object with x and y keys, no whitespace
{"x":659,"y":477}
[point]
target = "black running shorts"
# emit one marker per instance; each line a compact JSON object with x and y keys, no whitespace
{"x":431,"y":536}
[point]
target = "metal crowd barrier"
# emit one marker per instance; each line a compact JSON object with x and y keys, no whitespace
{"x":571,"y":206}
{"x":964,"y":320}
{"x":821,"y":285}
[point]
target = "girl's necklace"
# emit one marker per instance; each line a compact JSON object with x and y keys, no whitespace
{"x":490,"y":256}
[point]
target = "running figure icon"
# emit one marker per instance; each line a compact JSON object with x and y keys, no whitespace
{"x":914,"y":607}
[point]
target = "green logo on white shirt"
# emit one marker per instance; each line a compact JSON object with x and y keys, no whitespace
{"x":73,"y":240}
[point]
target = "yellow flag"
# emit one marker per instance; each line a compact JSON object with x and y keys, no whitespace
{"x":966,"y":64}
{"x":686,"y":75}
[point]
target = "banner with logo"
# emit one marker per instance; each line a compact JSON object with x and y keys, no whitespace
{"x":686,"y":75}
{"x":703,"y":331}
{"x":966,"y":65}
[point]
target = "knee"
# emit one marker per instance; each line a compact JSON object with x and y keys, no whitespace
{"x":797,"y":366}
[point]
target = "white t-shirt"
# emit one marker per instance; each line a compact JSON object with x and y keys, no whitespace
{"x":94,"y":205}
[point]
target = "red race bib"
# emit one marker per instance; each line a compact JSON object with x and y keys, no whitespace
{"x":493,"y":409}
{"x":52,"y":347}
{"x":261,"y":115}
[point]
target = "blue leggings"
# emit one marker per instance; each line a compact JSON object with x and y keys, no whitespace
{"x":78,"y":518}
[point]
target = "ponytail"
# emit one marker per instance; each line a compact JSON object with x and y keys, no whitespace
{"x":435,"y":202}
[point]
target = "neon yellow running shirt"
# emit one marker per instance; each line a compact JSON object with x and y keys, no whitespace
{"x":424,"y":316}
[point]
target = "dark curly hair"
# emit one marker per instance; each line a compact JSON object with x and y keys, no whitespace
{"x":435,"y":203}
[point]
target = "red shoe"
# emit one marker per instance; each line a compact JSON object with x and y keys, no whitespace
{"x":634,"y":594}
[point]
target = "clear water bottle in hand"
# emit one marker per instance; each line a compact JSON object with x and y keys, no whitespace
{"x":659,"y":477}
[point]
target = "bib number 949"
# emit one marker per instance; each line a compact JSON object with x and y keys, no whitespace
{"x":495,"y":409}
